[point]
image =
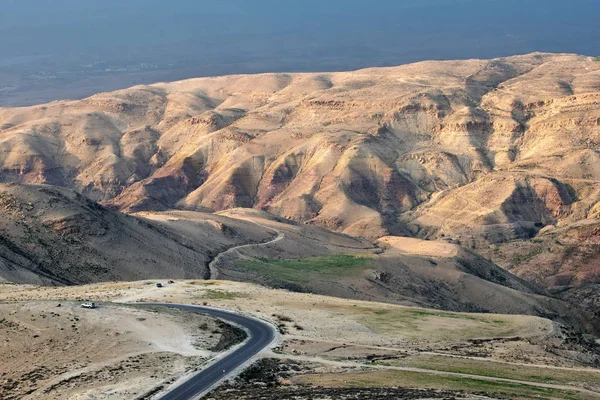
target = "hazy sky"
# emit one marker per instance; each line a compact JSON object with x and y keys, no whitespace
{"x":322,"y":34}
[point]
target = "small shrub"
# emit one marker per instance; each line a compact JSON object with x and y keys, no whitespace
{"x":282,"y":329}
{"x":282,"y":318}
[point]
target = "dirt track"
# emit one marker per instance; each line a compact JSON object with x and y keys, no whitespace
{"x":212,"y":266}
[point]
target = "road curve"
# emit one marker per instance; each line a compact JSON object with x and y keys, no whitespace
{"x":213,"y":271}
{"x":260,"y":335}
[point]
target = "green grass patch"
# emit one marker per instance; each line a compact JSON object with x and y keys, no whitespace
{"x":423,"y":380}
{"x":426,"y":313}
{"x":305,"y":269}
{"x":419,"y":324}
{"x":499,"y":370}
{"x":415,"y":324}
{"x":417,"y":314}
{"x":597,"y":59}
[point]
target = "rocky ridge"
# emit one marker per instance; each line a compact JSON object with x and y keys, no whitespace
{"x":485,"y":152}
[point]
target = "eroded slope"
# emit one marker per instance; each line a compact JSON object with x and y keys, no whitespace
{"x":484,"y":151}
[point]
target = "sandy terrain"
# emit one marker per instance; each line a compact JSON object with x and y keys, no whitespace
{"x":324,"y":334}
{"x":375,"y":324}
{"x":112,"y":352}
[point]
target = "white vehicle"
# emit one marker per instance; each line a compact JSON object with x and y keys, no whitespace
{"x":89,"y":304}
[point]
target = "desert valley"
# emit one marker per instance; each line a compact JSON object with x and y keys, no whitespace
{"x":423,"y":231}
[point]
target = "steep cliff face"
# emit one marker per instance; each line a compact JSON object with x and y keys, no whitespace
{"x":482,"y":151}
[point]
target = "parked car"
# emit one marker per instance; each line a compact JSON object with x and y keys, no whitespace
{"x":89,"y":304}
{"x":159,"y":284}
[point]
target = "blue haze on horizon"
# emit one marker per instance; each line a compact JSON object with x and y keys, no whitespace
{"x":246,"y":36}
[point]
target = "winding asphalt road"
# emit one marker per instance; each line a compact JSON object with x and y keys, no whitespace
{"x":261,"y":334}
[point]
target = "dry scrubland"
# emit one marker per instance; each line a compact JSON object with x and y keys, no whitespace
{"x":486,"y":152}
{"x":113,"y":351}
{"x":326,"y":341}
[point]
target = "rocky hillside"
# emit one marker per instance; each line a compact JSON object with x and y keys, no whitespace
{"x":484,"y":152}
{"x":51,"y":235}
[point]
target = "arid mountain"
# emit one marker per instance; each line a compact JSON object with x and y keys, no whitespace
{"x":484,"y":152}
{"x":51,"y":235}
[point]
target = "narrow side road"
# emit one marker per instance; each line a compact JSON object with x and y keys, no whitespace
{"x":260,"y":336}
{"x":212,"y":266}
